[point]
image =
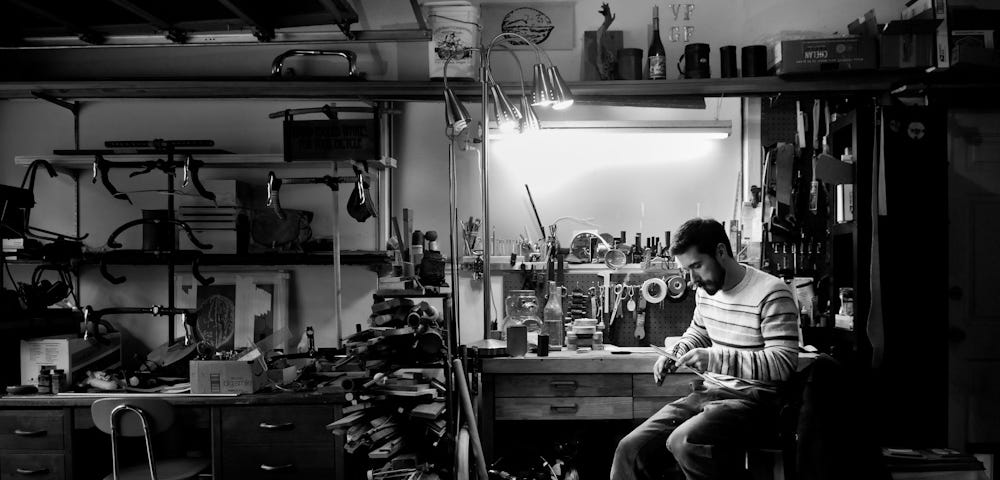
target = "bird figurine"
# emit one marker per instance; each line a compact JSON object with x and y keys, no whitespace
{"x":606,"y":59}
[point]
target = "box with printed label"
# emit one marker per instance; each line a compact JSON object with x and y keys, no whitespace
{"x":825,"y":55}
{"x":225,"y":376}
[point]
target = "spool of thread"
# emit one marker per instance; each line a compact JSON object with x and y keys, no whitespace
{"x":417,"y":247}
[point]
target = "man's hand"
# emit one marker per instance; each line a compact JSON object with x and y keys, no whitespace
{"x":661,"y":368}
{"x":695,"y":359}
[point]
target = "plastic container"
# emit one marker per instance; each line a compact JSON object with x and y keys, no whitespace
{"x":454,"y":25}
{"x":58,"y":381}
{"x":44,"y":382}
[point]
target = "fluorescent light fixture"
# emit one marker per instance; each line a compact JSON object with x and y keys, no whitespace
{"x":694,"y":129}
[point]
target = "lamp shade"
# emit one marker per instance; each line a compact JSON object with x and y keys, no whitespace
{"x":562,"y":97}
{"x":542,"y":90}
{"x":504,"y":113}
{"x":529,"y":122}
{"x":455,"y":114}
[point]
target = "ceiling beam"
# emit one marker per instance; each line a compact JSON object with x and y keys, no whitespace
{"x":261,"y":29}
{"x":173,"y":33}
{"x":81,"y":31}
{"x":344,"y":15}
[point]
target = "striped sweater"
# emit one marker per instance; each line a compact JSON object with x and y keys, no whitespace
{"x":751,"y":331}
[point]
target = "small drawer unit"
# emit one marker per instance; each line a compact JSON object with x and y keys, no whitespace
{"x":277,"y":424}
{"x":34,"y":466}
{"x":278,"y":442}
{"x":32,"y":429}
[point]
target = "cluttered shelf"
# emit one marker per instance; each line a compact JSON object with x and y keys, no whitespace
{"x":400,"y":90}
{"x":212,"y":160}
{"x":347,"y":257}
{"x":76,"y":400}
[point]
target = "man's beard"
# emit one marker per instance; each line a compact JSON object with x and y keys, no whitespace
{"x":712,"y":287}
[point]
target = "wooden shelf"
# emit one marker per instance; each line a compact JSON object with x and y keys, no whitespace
{"x":209,"y":260}
{"x":217,"y":160}
{"x":502,"y":263}
{"x":589,"y":91}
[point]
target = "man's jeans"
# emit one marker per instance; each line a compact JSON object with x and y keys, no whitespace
{"x":707,"y":432}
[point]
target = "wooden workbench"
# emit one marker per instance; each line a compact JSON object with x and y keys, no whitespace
{"x":566,"y":385}
{"x":274,"y":436}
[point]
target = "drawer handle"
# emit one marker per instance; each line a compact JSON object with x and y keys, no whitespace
{"x":276,"y":426}
{"x":275,"y":468}
{"x":28,"y":471}
{"x":567,"y":384}
{"x":29,"y":433}
{"x":564,"y":408}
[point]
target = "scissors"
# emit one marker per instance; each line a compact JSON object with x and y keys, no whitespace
{"x":618,"y":300}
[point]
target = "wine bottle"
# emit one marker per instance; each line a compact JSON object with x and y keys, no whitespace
{"x":657,"y":56}
{"x":637,"y":249}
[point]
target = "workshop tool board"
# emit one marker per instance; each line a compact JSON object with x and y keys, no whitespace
{"x":664,"y":319}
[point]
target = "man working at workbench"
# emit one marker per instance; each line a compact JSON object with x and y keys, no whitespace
{"x":744,"y":336}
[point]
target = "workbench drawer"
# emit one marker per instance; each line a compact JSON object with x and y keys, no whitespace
{"x":563,"y":408}
{"x":645,"y":407}
{"x":675,"y":384}
{"x":278,"y":462}
{"x":277,"y":424}
{"x":34,"y":466}
{"x":570,"y":385}
{"x":31,"y":429}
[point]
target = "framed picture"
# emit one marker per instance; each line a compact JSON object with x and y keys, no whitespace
{"x":238,"y":307}
{"x":551,"y":25}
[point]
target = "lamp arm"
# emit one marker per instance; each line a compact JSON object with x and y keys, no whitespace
{"x":520,"y":71}
{"x":539,"y":51}
{"x":452,"y":55}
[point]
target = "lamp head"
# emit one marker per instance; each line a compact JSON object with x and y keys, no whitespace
{"x":542,"y":89}
{"x":529,"y":124}
{"x":507,"y":117}
{"x":562,"y":96}
{"x":456,"y":115}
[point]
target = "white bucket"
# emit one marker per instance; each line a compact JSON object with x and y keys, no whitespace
{"x":454,"y":25}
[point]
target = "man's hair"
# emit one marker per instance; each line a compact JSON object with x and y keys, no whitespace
{"x":704,"y":233}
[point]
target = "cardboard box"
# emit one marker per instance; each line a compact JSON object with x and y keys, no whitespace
{"x":825,"y":55}
{"x":69,"y":353}
{"x":908,"y":44}
{"x":225,"y":376}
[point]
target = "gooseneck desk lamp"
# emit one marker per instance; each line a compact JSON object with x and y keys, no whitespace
{"x":549,"y":90}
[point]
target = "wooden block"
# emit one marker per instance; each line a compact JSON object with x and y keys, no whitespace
{"x":387,"y":450}
{"x":347,"y":421}
{"x":590,"y":52}
{"x":429,"y":411}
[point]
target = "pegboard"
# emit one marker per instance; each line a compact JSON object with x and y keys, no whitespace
{"x":664,"y":319}
{"x":777,"y":122}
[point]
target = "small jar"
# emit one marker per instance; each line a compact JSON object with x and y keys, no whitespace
{"x":58,"y":381}
{"x":571,"y":341}
{"x":44,"y":382}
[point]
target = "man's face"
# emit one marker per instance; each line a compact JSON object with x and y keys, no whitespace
{"x":705,"y":270}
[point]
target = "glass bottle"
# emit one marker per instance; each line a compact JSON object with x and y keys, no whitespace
{"x":657,"y":55}
{"x":553,"y":307}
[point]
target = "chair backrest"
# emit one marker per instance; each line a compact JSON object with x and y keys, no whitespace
{"x":159,"y":414}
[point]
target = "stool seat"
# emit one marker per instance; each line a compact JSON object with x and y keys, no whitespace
{"x":172,"y":469}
